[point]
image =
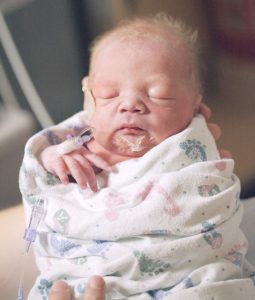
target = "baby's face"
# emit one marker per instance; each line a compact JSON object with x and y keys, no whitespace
{"x":143,"y":94}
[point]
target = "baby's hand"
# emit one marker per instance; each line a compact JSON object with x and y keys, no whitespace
{"x":78,"y":163}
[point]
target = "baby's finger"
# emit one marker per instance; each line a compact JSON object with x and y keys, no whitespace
{"x":60,"y":169}
{"x":96,"y":160}
{"x":88,"y":170}
{"x":76,"y":171}
{"x":215,"y":130}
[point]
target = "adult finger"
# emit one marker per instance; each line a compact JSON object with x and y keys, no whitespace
{"x":215,"y":130}
{"x":205,"y":110}
{"x":95,"y":289}
{"x":60,"y":291}
{"x":225,"y":154}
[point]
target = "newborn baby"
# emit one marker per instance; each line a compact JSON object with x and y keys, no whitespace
{"x":152,"y":207}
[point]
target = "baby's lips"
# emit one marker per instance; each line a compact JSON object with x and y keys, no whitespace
{"x":132,"y":130}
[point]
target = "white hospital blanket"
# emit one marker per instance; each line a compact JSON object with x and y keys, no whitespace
{"x":162,"y":226}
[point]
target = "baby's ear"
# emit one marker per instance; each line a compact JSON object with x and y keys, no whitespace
{"x":84,"y":82}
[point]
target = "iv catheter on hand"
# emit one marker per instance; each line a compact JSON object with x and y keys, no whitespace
{"x":75,"y":142}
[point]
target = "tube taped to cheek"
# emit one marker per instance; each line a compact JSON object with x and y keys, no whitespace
{"x":133,"y":144}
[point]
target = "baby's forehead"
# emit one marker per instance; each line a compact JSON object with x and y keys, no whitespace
{"x":158,"y":43}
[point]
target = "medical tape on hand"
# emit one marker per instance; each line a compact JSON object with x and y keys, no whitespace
{"x":73,"y":143}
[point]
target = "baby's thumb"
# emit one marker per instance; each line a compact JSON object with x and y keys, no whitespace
{"x":60,"y":291}
{"x":95,"y":289}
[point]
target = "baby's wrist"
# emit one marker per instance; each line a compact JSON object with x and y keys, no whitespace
{"x":44,"y":159}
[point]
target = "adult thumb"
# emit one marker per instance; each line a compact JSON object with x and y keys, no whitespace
{"x":95,"y":289}
{"x":60,"y":291}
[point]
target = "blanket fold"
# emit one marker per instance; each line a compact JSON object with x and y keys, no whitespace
{"x":162,"y":226}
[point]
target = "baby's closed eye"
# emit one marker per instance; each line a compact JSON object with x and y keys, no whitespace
{"x":161,"y":95}
{"x":106,"y":93}
{"x":161,"y":92}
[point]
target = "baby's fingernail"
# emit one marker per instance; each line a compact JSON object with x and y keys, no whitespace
{"x":59,"y":286}
{"x":94,"y":188}
{"x":83,"y":186}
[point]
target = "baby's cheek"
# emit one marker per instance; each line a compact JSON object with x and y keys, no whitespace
{"x":95,"y":121}
{"x":104,"y":137}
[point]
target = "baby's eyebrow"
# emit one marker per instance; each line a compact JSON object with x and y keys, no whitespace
{"x":161,"y":78}
{"x":102,"y":81}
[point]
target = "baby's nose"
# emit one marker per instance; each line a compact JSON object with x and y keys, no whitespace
{"x":132,"y":105}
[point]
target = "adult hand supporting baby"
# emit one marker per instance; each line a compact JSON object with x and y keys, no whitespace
{"x":95,"y":290}
{"x":214,"y":128}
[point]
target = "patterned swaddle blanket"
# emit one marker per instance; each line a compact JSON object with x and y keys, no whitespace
{"x":162,"y":226}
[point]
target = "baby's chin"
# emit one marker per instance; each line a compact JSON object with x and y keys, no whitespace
{"x":132,"y":145}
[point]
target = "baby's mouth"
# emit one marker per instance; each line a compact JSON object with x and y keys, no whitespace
{"x":132,"y":130}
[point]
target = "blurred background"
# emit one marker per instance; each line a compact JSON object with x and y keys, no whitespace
{"x":52,"y":38}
